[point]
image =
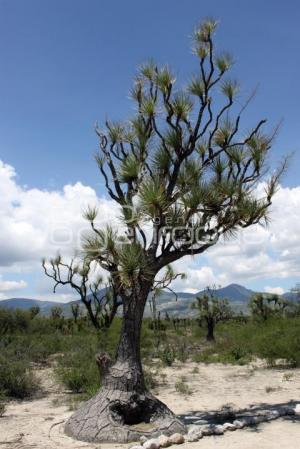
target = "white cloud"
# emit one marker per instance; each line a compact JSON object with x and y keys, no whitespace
{"x":10,"y":286}
{"x":274,"y":290}
{"x":37,"y":223}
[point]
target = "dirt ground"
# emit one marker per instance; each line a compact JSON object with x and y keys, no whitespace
{"x":39,"y":423}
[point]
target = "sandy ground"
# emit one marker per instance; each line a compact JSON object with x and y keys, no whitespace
{"x":39,"y":423}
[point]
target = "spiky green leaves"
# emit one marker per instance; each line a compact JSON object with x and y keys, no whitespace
{"x":161,"y":161}
{"x":251,"y":210}
{"x":133,"y":265}
{"x":182,"y":105}
{"x":100,"y":244}
{"x":222,"y":135}
{"x":189,"y":175}
{"x":165,"y":79}
{"x":196,"y":87}
{"x":115,"y":131}
{"x":149,"y":70}
{"x":224,"y":62}
{"x":230,"y":88}
{"x":205,"y":30}
{"x":129,"y":169}
{"x":153,"y":198}
{"x":148,"y":106}
{"x":90,"y":213}
{"x":202,"y":37}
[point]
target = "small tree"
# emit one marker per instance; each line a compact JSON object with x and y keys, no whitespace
{"x":264,"y":306}
{"x":75,"y":310}
{"x":101,"y":303}
{"x":34,"y":311}
{"x":212,"y":310}
{"x":184,"y":176}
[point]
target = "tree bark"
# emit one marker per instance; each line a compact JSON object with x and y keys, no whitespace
{"x":124,"y":410}
{"x":210,"y":331}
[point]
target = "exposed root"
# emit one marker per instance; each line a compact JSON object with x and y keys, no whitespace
{"x":118,"y":416}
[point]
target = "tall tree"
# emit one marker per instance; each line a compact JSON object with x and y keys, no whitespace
{"x":184,"y":176}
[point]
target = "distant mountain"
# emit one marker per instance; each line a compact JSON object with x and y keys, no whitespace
{"x":45,"y":306}
{"x":237,"y":295}
{"x":233,"y":292}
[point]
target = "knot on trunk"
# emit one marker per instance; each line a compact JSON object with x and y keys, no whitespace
{"x":103,"y":361}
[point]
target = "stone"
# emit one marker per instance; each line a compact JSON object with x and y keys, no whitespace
{"x":207,"y":431}
{"x":288,"y":411}
{"x":194,"y":434}
{"x":274,"y":414}
{"x":164,"y":441}
{"x":239,"y":424}
{"x":176,"y":438}
{"x":136,"y":447}
{"x":143,"y":439}
{"x":217,"y":430}
{"x":229,"y":426}
{"x":297,"y":409}
{"x":258,"y":419}
{"x":151,"y":444}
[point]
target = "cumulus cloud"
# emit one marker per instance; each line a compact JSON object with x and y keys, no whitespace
{"x":274,"y":290}
{"x":36,"y":223}
{"x":10,"y":286}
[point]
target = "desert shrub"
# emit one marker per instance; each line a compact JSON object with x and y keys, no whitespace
{"x":77,"y":369}
{"x":182,"y":352}
{"x":150,"y":380}
{"x":16,"y":379}
{"x":75,"y":379}
{"x":182,"y":387}
{"x":167,"y":355}
{"x":2,"y":404}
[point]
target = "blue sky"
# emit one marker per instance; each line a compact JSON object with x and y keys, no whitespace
{"x":67,"y":63}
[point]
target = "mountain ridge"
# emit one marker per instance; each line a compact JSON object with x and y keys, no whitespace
{"x":237,"y":294}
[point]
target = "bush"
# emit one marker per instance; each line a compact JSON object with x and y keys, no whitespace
{"x":16,"y":380}
{"x":77,"y":369}
{"x":167,"y":356}
{"x":2,"y":405}
{"x":74,"y":379}
{"x":182,"y":388}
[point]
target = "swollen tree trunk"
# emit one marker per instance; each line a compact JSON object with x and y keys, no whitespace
{"x":124,"y":410}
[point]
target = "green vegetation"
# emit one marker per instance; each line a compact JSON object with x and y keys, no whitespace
{"x":28,"y":344}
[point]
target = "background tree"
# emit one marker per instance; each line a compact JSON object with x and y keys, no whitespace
{"x":75,"y":310}
{"x":100,"y":300}
{"x":263,"y":306}
{"x":212,"y":310}
{"x":34,"y":311}
{"x":184,"y":176}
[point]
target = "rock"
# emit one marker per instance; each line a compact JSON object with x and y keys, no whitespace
{"x":274,"y":414}
{"x":207,"y":431}
{"x":194,"y":434}
{"x":151,"y":444}
{"x":288,"y":411}
{"x":164,"y":441}
{"x":229,"y":426}
{"x":136,"y":447}
{"x":297,"y":409}
{"x":258,"y":419}
{"x":176,"y":438}
{"x":218,"y":430}
{"x":239,"y":424}
{"x":143,"y":439}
